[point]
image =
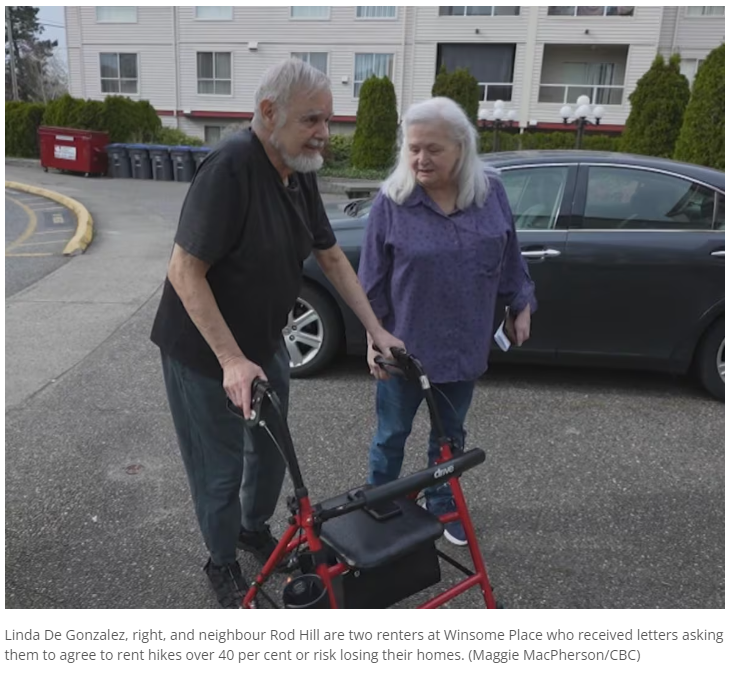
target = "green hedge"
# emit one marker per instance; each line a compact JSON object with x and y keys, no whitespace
{"x":166,"y":136}
{"x":546,"y":141}
{"x":21,"y":128}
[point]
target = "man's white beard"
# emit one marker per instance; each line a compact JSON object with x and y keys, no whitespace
{"x":301,"y":163}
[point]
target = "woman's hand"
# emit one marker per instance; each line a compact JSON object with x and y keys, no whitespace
{"x":518,"y":328}
{"x":378,"y":372}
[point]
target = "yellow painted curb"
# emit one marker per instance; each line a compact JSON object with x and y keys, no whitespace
{"x":84,"y":223}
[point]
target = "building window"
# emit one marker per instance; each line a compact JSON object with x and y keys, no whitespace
{"x":479,"y":11}
{"x":214,"y":73}
{"x":491,"y":64}
{"x":591,"y":11}
{"x":376,"y":12}
{"x":116,"y":15}
{"x":371,"y":64}
{"x":212,"y":134}
{"x":717,"y":10}
{"x":594,"y":80}
{"x":118,"y":73}
{"x":310,"y":13}
{"x":214,"y":13}
{"x":689,"y":68}
{"x":316,"y":59}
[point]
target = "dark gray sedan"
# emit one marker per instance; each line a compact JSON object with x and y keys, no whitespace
{"x":627,"y":254}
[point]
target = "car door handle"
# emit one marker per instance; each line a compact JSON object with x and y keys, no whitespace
{"x":720,"y":254}
{"x":540,"y":253}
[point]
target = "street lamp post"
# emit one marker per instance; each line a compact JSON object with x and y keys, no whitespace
{"x":583,"y":116}
{"x":500,"y":118}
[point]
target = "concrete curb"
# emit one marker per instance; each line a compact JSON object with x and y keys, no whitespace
{"x":84,"y":223}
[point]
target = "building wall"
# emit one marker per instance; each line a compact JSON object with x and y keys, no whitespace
{"x":168,"y":38}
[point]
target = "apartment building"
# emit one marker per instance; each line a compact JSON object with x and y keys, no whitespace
{"x":199,"y":66}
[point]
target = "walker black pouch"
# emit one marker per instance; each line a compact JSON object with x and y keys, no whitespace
{"x":391,"y":553}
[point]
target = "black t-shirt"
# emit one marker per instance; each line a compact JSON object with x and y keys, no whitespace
{"x":255,"y":233}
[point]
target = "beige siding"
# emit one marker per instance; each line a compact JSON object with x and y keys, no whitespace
{"x":698,"y":34}
{"x":155,"y":66}
{"x":666,"y":34}
{"x":435,"y":28}
{"x":273,"y":25}
{"x":642,"y":28}
{"x":153,"y":27}
{"x":424,"y":70}
{"x":247,"y":67}
{"x":75,"y":87}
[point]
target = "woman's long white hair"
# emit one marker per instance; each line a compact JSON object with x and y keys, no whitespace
{"x":470,"y":172}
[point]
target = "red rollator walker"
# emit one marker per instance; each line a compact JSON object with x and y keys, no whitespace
{"x":373,"y":546}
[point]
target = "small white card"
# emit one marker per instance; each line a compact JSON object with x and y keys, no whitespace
{"x":501,"y":338}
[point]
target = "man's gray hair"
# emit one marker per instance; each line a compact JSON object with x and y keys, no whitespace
{"x":470,"y":172}
{"x":281,"y":81}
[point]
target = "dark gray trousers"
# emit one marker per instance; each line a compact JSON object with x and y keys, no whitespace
{"x":235,"y":474}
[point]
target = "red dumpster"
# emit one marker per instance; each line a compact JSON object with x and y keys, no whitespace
{"x":74,"y":150}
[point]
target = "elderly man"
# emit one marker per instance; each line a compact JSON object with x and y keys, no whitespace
{"x":253,"y":213}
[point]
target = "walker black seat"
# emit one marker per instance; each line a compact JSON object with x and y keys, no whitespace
{"x":363,"y":542}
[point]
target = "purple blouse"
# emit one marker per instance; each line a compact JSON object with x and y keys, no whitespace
{"x":434,"y":281}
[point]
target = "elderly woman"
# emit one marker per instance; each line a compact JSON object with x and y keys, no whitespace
{"x":440,"y":252}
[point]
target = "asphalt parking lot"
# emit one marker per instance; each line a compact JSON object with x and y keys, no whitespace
{"x":600,"y":489}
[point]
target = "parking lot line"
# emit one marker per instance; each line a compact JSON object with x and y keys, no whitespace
{"x":32,"y":224}
{"x":21,"y":256}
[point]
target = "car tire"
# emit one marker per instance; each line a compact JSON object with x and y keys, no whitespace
{"x":312,"y":346}
{"x":711,"y":360}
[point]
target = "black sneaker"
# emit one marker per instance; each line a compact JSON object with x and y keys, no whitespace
{"x":228,"y":583}
{"x":261,"y":544}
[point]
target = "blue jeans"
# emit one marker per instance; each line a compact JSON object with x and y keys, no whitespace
{"x":397,"y":402}
{"x":235,"y":474}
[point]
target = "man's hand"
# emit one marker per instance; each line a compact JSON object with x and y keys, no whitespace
{"x":518,"y":328}
{"x":238,"y":375}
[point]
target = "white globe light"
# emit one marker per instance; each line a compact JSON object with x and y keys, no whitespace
{"x":512,"y":115}
{"x":583,"y":111}
{"x":499,"y":103}
{"x":599,"y":112}
{"x":483,"y":114}
{"x":583,"y":100}
{"x":566,"y":112}
{"x":499,"y":113}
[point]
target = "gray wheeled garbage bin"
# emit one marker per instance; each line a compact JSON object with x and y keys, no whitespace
{"x":119,"y":164}
{"x":161,"y":163}
{"x":183,"y":165}
{"x":139,"y":156}
{"x":199,"y":154}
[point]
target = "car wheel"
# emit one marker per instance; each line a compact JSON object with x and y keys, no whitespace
{"x":711,"y":360}
{"x":313,"y":332}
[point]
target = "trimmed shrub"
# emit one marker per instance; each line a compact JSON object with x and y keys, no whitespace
{"x":22,"y":120}
{"x":702,"y":137}
{"x":339,"y":150}
{"x":460,"y":86}
{"x":507,"y":141}
{"x":166,"y":136}
{"x":373,"y":145}
{"x":657,"y":109}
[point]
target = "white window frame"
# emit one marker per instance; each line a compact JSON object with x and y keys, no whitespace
{"x":354,"y":69}
{"x":376,"y":18}
{"x":309,"y":18}
{"x":213,"y":79}
{"x":575,"y":14}
{"x":519,"y":12}
{"x":210,"y":18}
{"x":308,"y":53}
{"x":703,"y":14}
{"x":117,"y":21}
{"x":220,"y":128}
{"x":119,"y":78}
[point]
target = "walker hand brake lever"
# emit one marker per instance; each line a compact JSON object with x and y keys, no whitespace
{"x":259,"y":389}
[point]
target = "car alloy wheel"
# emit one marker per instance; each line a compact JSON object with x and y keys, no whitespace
{"x":720,"y":361}
{"x":303,"y":334}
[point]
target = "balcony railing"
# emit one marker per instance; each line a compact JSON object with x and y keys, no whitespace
{"x":605,"y":95}
{"x":494,"y":91}
{"x":590,"y":11}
